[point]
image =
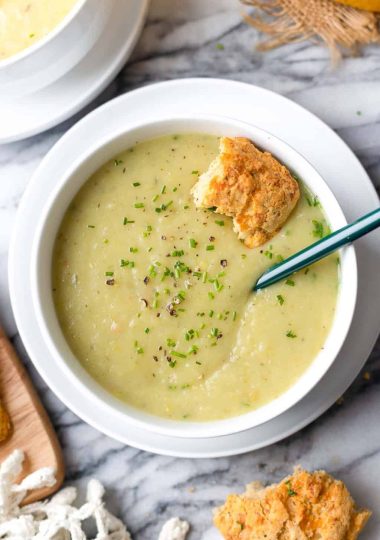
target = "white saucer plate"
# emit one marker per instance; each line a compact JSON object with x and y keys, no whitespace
{"x":43,"y":109}
{"x":299,"y":128}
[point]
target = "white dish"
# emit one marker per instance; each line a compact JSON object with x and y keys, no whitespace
{"x":38,"y":110}
{"x":50,"y":58}
{"x":68,"y":184}
{"x":338,"y":166}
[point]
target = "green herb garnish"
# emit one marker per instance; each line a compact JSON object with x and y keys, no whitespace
{"x":179,"y":354}
{"x":318,"y":230}
{"x":280,"y":299}
{"x":291,"y":491}
{"x":126,"y":220}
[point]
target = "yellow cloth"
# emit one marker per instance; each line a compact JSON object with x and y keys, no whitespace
{"x":368,"y":5}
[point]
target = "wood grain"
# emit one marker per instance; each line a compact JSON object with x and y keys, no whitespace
{"x":32,"y":430}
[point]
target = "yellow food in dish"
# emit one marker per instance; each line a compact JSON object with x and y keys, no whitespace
{"x":23,"y":22}
{"x":154,"y":295}
{"x":303,"y":506}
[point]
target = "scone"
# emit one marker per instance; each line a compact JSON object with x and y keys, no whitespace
{"x":304,"y":506}
{"x":249,"y":185}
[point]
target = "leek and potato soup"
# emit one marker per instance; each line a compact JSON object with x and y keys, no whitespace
{"x":154,"y":296}
{"x":23,"y":22}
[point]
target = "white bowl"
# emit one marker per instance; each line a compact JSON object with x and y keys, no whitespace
{"x":41,"y":261}
{"x":54,"y":55}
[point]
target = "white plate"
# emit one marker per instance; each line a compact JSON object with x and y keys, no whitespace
{"x":312,"y":138}
{"x":41,"y":110}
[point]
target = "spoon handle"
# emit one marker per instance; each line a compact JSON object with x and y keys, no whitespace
{"x":320,"y":249}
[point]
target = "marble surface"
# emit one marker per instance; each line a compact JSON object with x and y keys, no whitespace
{"x":180,"y":40}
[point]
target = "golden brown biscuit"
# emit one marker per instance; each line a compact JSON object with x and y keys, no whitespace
{"x":304,"y":506}
{"x":5,"y":424}
{"x":249,"y":185}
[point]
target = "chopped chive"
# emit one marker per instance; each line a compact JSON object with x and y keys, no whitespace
{"x":139,"y":350}
{"x":193,"y":243}
{"x":211,"y":313}
{"x":172,"y":363}
{"x":154,"y":199}
{"x":125,"y":263}
{"x":147,"y":330}
{"x":193,"y":350}
{"x":117,"y":162}
{"x":291,"y":334}
{"x":179,"y":354}
{"x":91,"y":226}
{"x":139,"y":205}
{"x":194,"y":172}
{"x":219,"y":222}
{"x":177,"y":253}
{"x":110,"y":274}
{"x":204,"y":277}
{"x":290,"y":282}
{"x":136,"y":184}
{"x":280,"y":299}
{"x":243,"y":255}
{"x":126,"y":220}
{"x":170,"y":342}
{"x":234,"y":314}
{"x":211,"y":295}
{"x":318,"y":229}
{"x":133,"y":250}
{"x":219,"y":46}
{"x":210,"y":247}
{"x":163,"y":190}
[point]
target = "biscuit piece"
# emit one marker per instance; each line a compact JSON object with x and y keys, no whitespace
{"x":304,"y":506}
{"x":5,"y":424}
{"x":249,"y":185}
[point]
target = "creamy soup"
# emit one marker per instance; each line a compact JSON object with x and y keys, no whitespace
{"x":154,"y":296}
{"x":23,"y":22}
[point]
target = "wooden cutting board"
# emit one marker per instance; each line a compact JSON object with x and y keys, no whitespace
{"x":32,"y":430}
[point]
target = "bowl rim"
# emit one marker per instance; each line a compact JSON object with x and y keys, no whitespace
{"x":90,"y":388}
{"x":28,"y":51}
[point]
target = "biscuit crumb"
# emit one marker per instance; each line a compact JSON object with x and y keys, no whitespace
{"x":5,"y":424}
{"x":303,"y":506}
{"x":250,"y":186}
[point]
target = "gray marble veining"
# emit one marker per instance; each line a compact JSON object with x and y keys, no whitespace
{"x":179,"y":40}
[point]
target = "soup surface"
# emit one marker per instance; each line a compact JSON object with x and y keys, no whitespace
{"x":154,"y":296}
{"x":23,"y":22}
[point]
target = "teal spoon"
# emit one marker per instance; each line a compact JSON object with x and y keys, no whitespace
{"x":320,"y":249}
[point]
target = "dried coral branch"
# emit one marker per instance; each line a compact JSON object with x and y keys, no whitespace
{"x":338,"y":26}
{"x":57,"y":518}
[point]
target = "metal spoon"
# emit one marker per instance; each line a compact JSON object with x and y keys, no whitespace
{"x":320,"y":249}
